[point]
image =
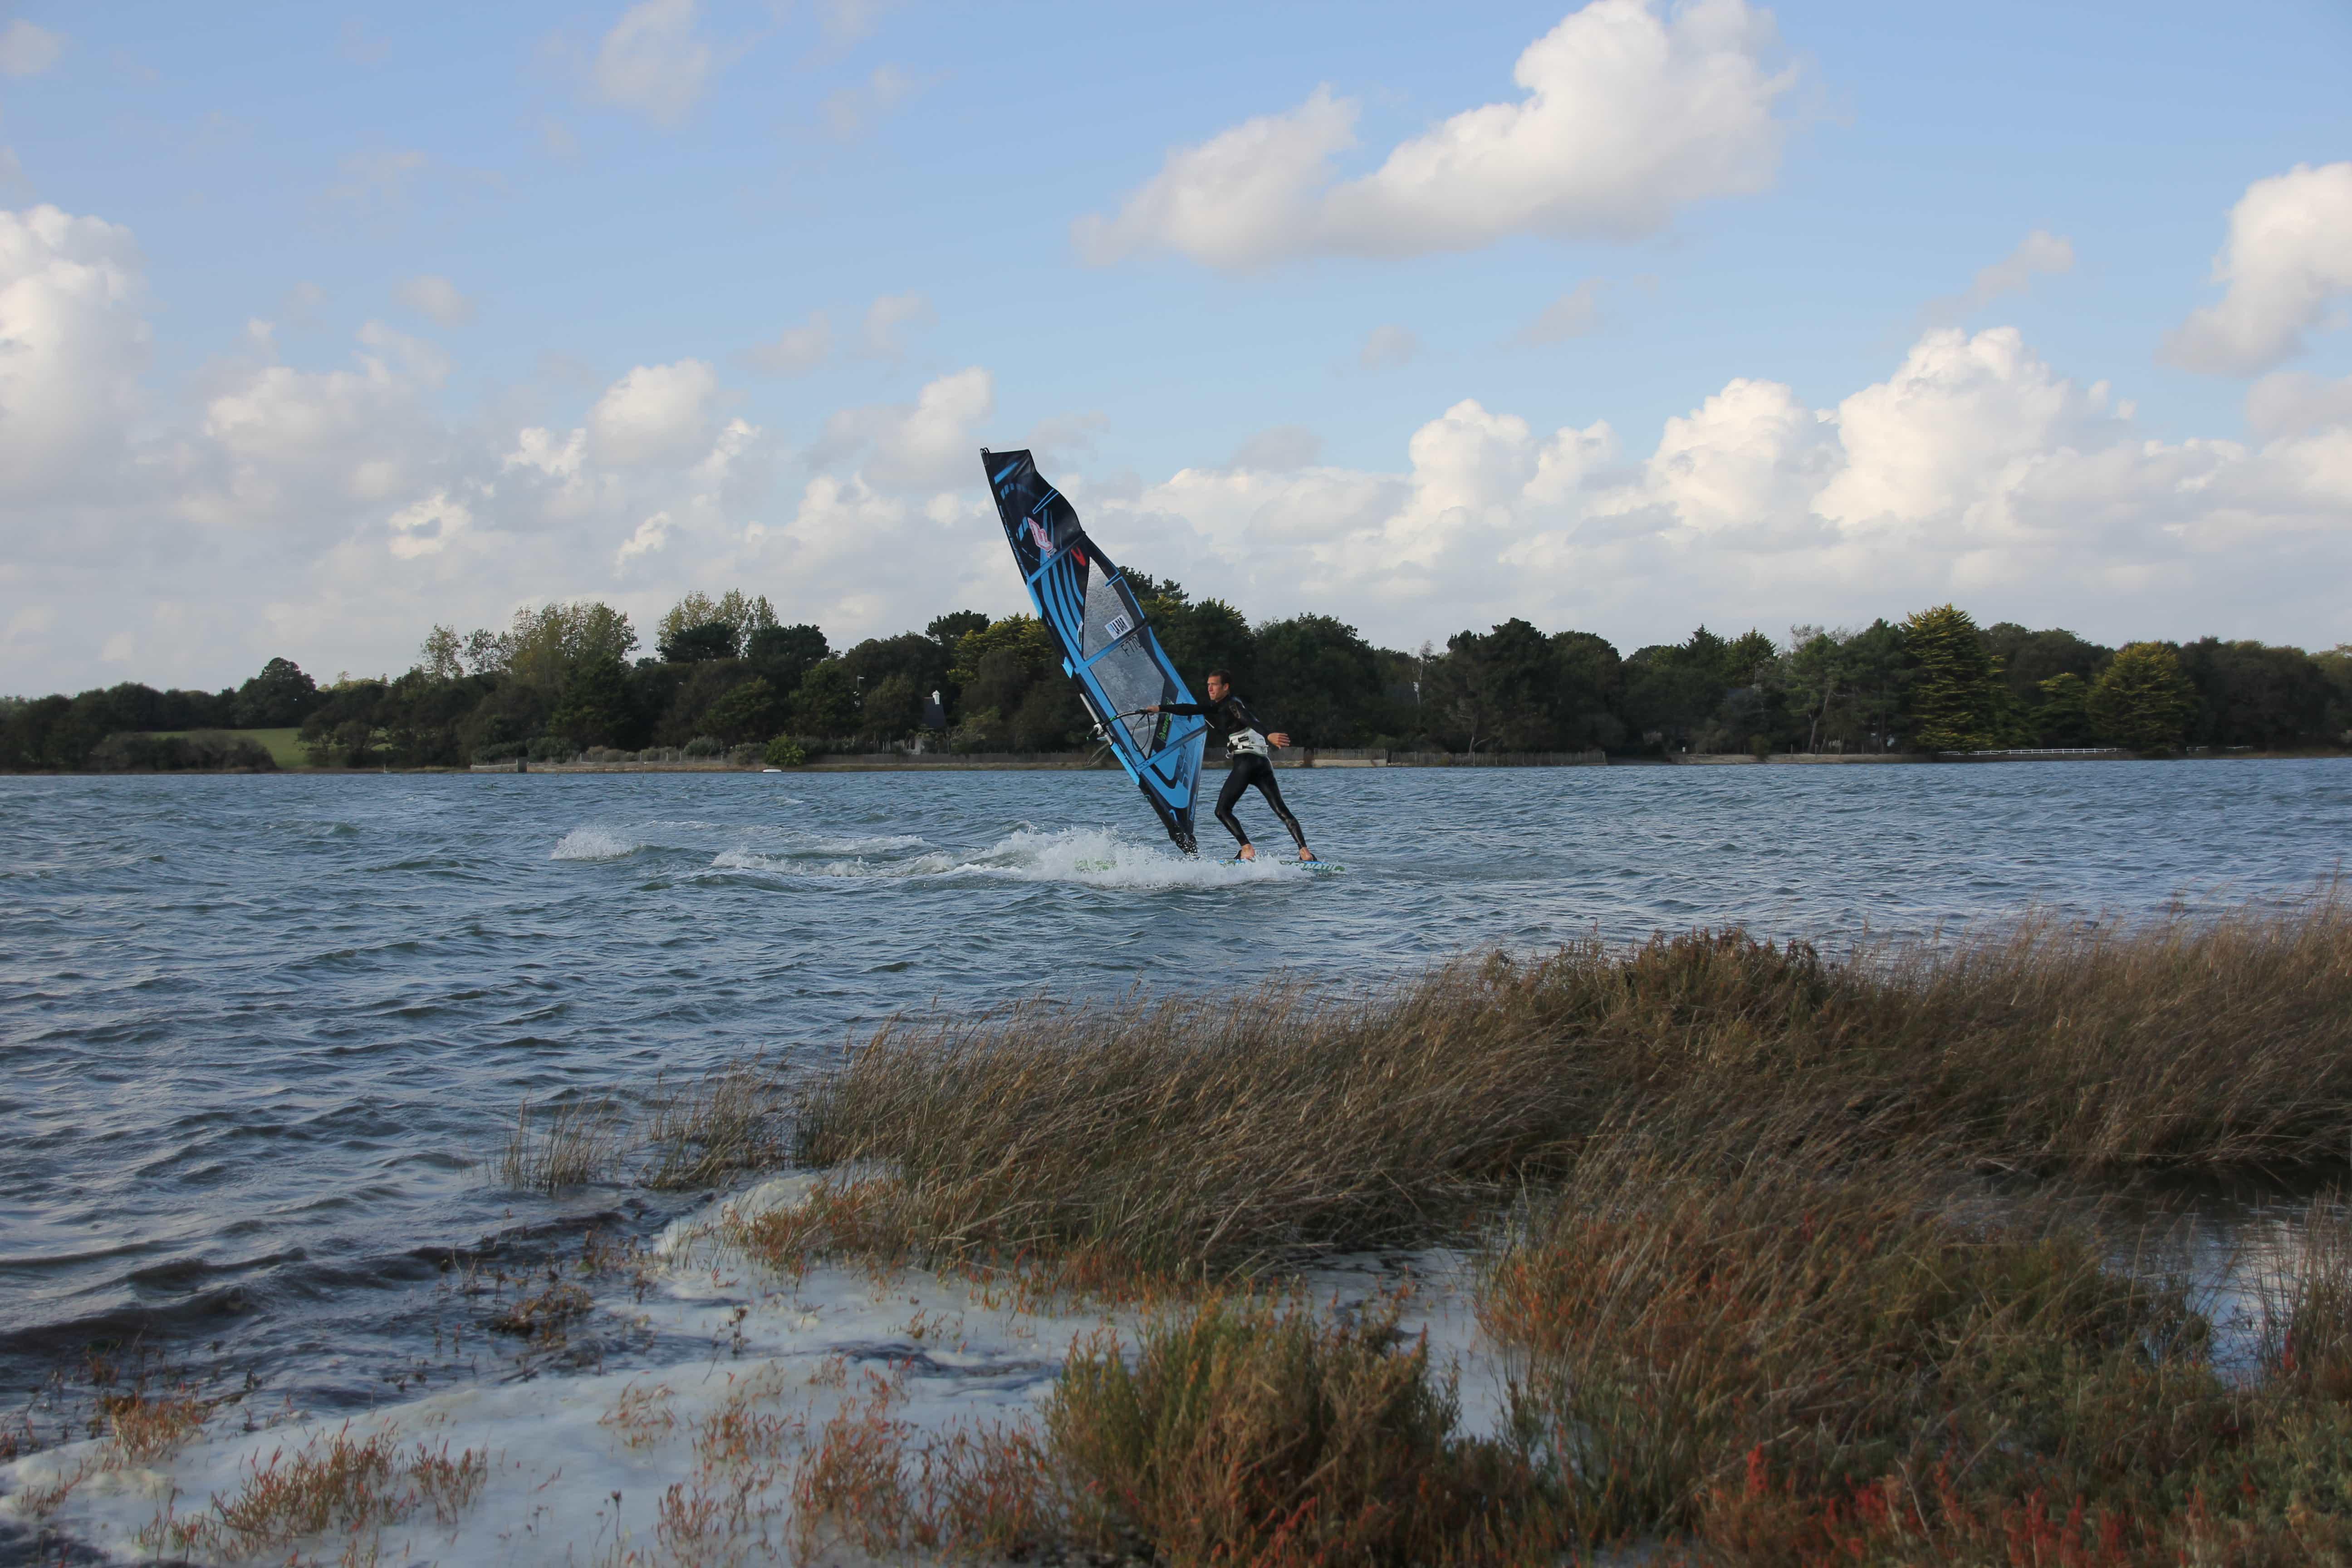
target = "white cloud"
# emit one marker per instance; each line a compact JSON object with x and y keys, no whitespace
{"x":795,"y":351}
{"x":427,"y":527}
{"x":932,"y":443}
{"x":1751,"y":454}
{"x":2289,"y":255}
{"x":652,"y":63}
{"x":1629,"y":112}
{"x":429,"y":294}
{"x":2289,"y":402}
{"x":892,"y":314}
{"x":72,"y":345}
{"x":657,"y":414}
{"x":652,"y":535}
{"x":2039,"y":253}
{"x":1574,"y":315}
{"x":1974,"y":471}
{"x":28,"y":50}
{"x":1388,"y":347}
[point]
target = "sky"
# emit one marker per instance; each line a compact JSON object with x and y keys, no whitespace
{"x":321,"y":325}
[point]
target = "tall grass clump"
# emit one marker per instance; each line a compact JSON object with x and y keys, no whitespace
{"x":570,"y":1143}
{"x":1189,"y":1137}
{"x":727,"y":1121}
{"x":1812,"y":1360}
{"x":1244,"y":1431}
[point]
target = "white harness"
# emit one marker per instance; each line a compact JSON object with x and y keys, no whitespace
{"x":1246,"y":742}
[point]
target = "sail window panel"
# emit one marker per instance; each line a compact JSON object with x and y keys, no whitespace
{"x":1131,"y":679}
{"x":1111,"y":611}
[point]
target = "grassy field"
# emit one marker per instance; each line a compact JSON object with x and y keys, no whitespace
{"x":1788,"y":1255}
{"x":284,"y":746}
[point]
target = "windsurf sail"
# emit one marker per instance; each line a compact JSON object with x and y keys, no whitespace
{"x":1106,"y":645}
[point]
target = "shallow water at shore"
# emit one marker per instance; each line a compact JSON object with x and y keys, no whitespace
{"x":262,"y":1032}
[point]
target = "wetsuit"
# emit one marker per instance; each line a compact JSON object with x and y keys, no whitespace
{"x":1233,"y":718}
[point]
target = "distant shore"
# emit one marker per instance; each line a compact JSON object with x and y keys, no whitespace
{"x":1081,"y":761}
{"x":1100,"y":761}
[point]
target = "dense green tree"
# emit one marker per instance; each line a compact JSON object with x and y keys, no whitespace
{"x":700,"y":644}
{"x":918,"y":661}
{"x":825,"y":706}
{"x":784,"y":654}
{"x":749,"y":710}
{"x":1496,"y":691}
{"x":1589,"y":677}
{"x":1211,"y":635}
{"x":597,"y":707}
{"x":2249,"y":694}
{"x":744,"y":616}
{"x":2141,"y":700}
{"x":443,"y":655}
{"x":280,"y":697}
{"x":343,"y":730}
{"x":891,"y":708}
{"x":2030,"y":658}
{"x":1671,"y":693}
{"x":2060,"y":716}
{"x":689,"y":705}
{"x":1319,"y":681}
{"x":1953,"y":706}
{"x":950,"y":629}
{"x":2335,"y":665}
{"x":423,"y":720}
{"x":542,"y":646}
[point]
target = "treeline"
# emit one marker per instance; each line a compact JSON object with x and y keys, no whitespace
{"x":726,"y":675}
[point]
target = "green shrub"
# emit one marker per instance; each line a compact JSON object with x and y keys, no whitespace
{"x":205,"y":750}
{"x":554,"y":749}
{"x":1247,"y":1433}
{"x":705,"y":746}
{"x":784,"y":752}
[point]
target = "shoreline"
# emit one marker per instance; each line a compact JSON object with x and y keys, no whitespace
{"x":1064,"y":762}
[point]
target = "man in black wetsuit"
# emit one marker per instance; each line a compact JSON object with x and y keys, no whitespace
{"x":1246,"y":745}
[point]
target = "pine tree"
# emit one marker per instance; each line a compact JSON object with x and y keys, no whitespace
{"x":2141,"y":700}
{"x":1953,"y":704}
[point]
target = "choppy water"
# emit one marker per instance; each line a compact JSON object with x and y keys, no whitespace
{"x":259,"y":1032}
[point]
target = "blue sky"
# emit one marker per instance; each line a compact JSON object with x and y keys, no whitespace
{"x":341,"y":322}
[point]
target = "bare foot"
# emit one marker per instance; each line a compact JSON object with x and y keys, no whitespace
{"x":1306,"y":856}
{"x":1248,"y":852}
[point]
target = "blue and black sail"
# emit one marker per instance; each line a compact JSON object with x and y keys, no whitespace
{"x":1106,"y":645}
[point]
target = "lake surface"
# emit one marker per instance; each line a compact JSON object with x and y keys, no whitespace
{"x":261,"y":1033}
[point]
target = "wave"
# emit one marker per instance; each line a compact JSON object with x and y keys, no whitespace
{"x":1086,"y":857}
{"x":596,"y":844}
{"x":789,"y":859}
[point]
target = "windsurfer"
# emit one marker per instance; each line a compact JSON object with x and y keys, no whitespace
{"x":1248,"y":747}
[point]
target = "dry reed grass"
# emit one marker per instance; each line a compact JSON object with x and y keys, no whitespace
{"x":1247,"y":1431}
{"x":570,"y":1143}
{"x":726,"y":1122}
{"x":1189,"y":1138}
{"x":333,"y":1485}
{"x":696,"y":1134}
